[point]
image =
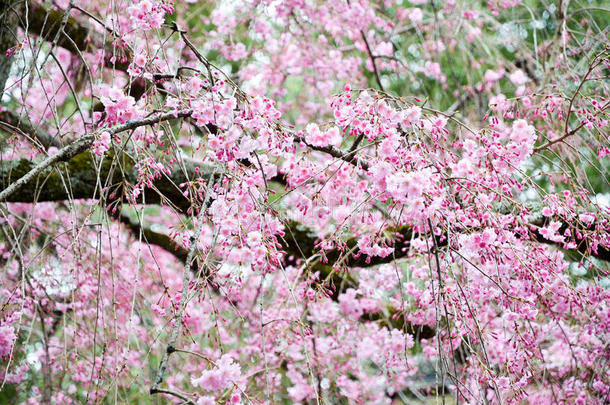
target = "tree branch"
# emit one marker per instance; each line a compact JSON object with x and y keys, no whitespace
{"x":68,"y":152}
{"x":334,"y":152}
{"x":298,"y":243}
{"x":370,"y":53}
{"x":174,"y":393}
{"x":11,"y":122}
{"x":46,"y":22}
{"x":190,"y":257}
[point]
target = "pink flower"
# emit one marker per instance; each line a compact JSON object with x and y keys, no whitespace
{"x":432,"y":69}
{"x":587,"y":218}
{"x":158,"y":310}
{"x":237,"y":52}
{"x":415,"y":15}
{"x":7,"y":339}
{"x":140,"y":59}
{"x":471,"y":14}
{"x":316,"y":137}
{"x":224,"y":375}
{"x":473,"y":33}
{"x":411,"y":116}
{"x":206,"y":400}
{"x":551,"y":232}
{"x":518,"y":77}
{"x":492,"y":76}
{"x":146,"y":15}
{"x":384,"y":48}
{"x":349,"y":304}
{"x":102,"y":144}
{"x":194,"y":85}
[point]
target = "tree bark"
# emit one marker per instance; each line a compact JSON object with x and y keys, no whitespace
{"x":8,"y":39}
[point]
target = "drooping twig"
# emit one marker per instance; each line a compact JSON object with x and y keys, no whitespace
{"x":569,"y":133}
{"x":370,"y":52}
{"x":566,"y":132}
{"x":177,"y":327}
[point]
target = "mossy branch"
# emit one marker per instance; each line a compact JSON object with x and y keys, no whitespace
{"x":45,"y":22}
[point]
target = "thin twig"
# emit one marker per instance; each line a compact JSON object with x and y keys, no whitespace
{"x":171,"y":346}
{"x":370,"y":52}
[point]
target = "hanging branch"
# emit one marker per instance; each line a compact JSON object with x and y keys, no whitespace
{"x":177,"y":327}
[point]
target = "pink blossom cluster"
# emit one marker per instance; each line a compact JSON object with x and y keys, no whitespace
{"x":118,"y":107}
{"x":436,"y":219}
{"x":225,"y":374}
{"x":147,"y":14}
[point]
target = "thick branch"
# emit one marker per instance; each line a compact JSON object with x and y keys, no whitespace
{"x":11,"y":122}
{"x":165,"y":242}
{"x":349,"y":157}
{"x":77,"y":37}
{"x":583,"y":243}
{"x":154,"y":238}
{"x":64,"y":154}
{"x":30,"y":171}
{"x":80,"y":174}
{"x":45,"y":22}
{"x":299,"y":242}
